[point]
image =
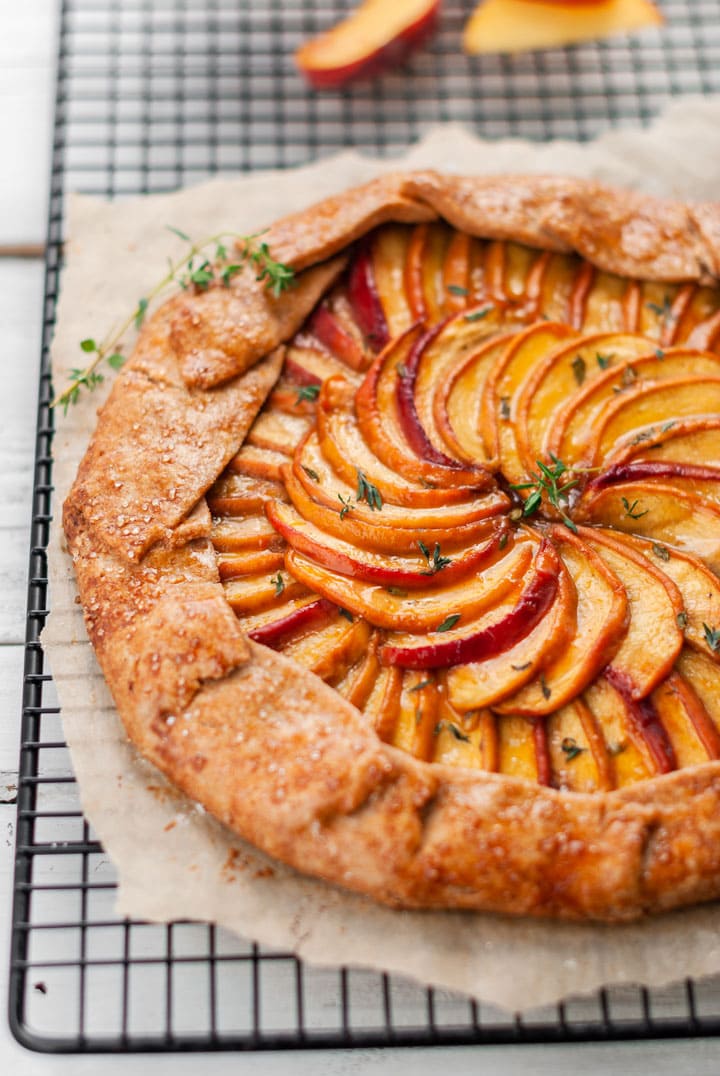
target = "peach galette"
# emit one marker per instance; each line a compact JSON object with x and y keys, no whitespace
{"x":410,"y":573}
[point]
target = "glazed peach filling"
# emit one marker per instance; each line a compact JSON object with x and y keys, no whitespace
{"x":483,"y":503}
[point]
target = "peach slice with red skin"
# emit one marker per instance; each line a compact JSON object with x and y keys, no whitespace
{"x":388,"y":250}
{"x":670,"y":517}
{"x":381,"y":535}
{"x":374,"y":38}
{"x":501,"y":629}
{"x":346,"y":452}
{"x":411,"y":573}
{"x":303,"y":617}
{"x":652,"y":405}
{"x":421,"y":610}
{"x":557,"y":378}
{"x":699,"y":590}
{"x":654,"y":638}
{"x":383,"y":426}
{"x":365,"y":301}
{"x":479,"y":684}
{"x":575,"y":424}
{"x":602,"y":621}
{"x":497,"y":414}
{"x":329,"y":489}
{"x":685,"y":441}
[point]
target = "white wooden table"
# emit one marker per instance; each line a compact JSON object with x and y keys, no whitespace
{"x":27,"y":42}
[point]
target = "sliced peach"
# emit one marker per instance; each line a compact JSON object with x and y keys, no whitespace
{"x":298,"y":617}
{"x":411,"y":573}
{"x":517,"y":25}
{"x":458,"y":399}
{"x":278,"y":431}
{"x":517,"y":749}
{"x":700,"y":322}
{"x":504,"y":383}
{"x":605,"y":304}
{"x":643,"y":723}
{"x":693,"y":478}
{"x":626,"y":761}
{"x":346,"y":451}
{"x":382,"y":535}
{"x":652,"y":405}
{"x":329,"y":651}
{"x":307,"y":364}
{"x":234,"y":565}
{"x":575,"y":423}
{"x":372,"y":39}
{"x":563,"y":372}
{"x":458,"y":339}
{"x":388,"y":251}
{"x":422,"y":609}
{"x":688,"y":440}
{"x":263,"y":463}
{"x":417,"y":715}
{"x":602,"y":620}
{"x":654,"y":638}
{"x":692,"y":734}
{"x":365,"y":301}
{"x":558,"y":282}
{"x":238,"y":494}
{"x":511,"y":619}
{"x":358,"y":683}
{"x":248,"y":533}
{"x":456,"y":273}
{"x":670,"y":517}
{"x":699,"y":589}
{"x":384,"y":427}
{"x":703,"y":676}
{"x":578,"y":754}
{"x":657,"y":310}
{"x":329,"y":489}
{"x":425,"y":272}
{"x":252,"y":593}
{"x":383,"y":705}
{"x":480,"y":684}
{"x":339,"y":341}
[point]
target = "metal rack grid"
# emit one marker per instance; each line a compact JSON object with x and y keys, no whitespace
{"x":152,"y":94}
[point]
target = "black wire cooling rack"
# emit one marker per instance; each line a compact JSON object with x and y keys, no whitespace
{"x":152,"y":95}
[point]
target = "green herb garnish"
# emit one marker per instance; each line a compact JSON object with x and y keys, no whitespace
{"x":436,"y":562}
{"x":661,"y":551}
{"x":457,"y":289}
{"x":344,"y":612}
{"x":279,"y":584}
{"x":682,"y":620}
{"x":453,"y":729}
{"x":579,"y":368}
{"x":421,"y":685}
{"x":449,"y":622}
{"x":347,"y":505}
{"x":186,"y":272}
{"x":712,"y":638}
{"x":478,"y":315}
{"x":547,"y":482}
{"x":307,"y":392}
{"x":571,"y":748}
{"x":604,"y":361}
{"x":366,"y":491}
{"x":631,"y":509}
{"x":310,"y":473}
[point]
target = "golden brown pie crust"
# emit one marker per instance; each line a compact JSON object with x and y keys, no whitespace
{"x":264,"y":744}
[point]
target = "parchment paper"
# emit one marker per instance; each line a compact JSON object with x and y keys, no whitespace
{"x":173,"y":861}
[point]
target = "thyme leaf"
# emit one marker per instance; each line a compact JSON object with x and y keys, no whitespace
{"x":453,"y":729}
{"x":449,"y":622}
{"x":366,"y":491}
{"x":546,"y":481}
{"x":307,"y":392}
{"x":571,"y":749}
{"x":630,"y":509}
{"x":279,"y":584}
{"x":712,"y":637}
{"x":579,"y":368}
{"x":186,"y":272}
{"x":347,"y":505}
{"x":436,"y":562}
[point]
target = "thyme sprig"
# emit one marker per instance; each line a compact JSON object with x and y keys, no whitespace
{"x":194,"y":269}
{"x":546,"y":482}
{"x":435,"y":561}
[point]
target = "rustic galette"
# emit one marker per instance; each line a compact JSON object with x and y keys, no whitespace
{"x":409,"y":574}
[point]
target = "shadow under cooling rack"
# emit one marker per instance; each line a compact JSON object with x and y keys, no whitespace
{"x":151,"y":96}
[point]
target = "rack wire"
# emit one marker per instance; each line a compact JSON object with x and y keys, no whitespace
{"x":151,"y":95}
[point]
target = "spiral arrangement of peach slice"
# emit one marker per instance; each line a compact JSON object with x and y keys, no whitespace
{"x":483,"y":503}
